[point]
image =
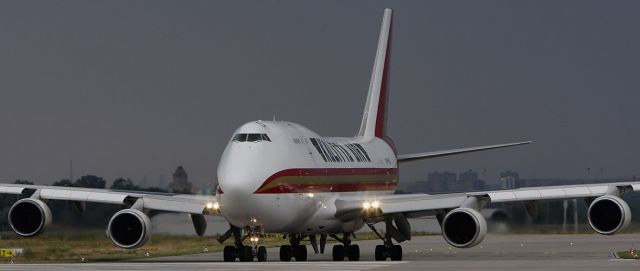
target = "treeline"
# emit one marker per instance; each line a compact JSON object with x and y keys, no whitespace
{"x":95,"y":216}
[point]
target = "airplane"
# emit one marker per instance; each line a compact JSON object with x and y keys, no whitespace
{"x":280,"y":177}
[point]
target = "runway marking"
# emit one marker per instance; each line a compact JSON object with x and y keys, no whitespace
{"x":307,"y":266}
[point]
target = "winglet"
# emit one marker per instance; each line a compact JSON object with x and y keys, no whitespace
{"x":375,"y":111}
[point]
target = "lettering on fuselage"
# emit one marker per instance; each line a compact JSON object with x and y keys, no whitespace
{"x":340,"y":153}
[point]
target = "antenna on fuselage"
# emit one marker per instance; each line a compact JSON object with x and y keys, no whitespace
{"x":274,"y":117}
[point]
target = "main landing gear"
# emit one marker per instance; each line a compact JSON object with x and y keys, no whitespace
{"x":388,"y":249}
{"x":241,"y":252}
{"x":346,"y":249}
{"x":294,"y":249}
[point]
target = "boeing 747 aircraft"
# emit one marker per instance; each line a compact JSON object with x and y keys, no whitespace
{"x":280,"y":177}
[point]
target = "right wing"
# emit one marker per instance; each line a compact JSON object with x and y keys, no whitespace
{"x":182,"y":203}
{"x":30,"y":215}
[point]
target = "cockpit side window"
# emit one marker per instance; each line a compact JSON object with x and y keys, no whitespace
{"x":250,"y":138}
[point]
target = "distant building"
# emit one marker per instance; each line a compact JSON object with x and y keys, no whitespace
{"x":468,"y":181}
{"x":510,"y":180}
{"x":419,"y":187}
{"x":180,"y":183}
{"x":441,"y":181}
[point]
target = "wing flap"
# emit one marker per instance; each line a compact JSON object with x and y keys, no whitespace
{"x":78,"y":195}
{"x":11,"y":190}
{"x":171,"y":205}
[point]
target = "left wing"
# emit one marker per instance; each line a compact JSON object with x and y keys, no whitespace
{"x":458,"y":213}
{"x":433,"y":154}
{"x":417,"y":205}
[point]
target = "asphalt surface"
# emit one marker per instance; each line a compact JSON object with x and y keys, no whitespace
{"x":497,"y":252}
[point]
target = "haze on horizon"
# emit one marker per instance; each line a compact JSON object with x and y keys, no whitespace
{"x":133,"y":89}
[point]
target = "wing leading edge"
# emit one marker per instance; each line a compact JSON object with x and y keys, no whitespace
{"x":426,"y":155}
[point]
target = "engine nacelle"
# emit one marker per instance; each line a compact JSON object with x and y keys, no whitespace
{"x":609,"y":215}
{"x":464,"y":227}
{"x":129,"y":228}
{"x":29,"y":217}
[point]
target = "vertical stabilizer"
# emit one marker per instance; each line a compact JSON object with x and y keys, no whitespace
{"x":375,"y":111}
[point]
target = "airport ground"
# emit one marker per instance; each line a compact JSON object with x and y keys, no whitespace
{"x":497,"y":252}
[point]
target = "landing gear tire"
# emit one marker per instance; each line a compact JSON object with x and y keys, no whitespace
{"x":338,"y":253}
{"x":245,"y":254}
{"x":396,"y":253}
{"x":285,"y":253}
{"x":381,"y":253}
{"x":353,"y":252}
{"x":300,"y":253}
{"x":229,"y":254}
{"x":262,"y":254}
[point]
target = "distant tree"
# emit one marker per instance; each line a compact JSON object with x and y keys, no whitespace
{"x":124,"y":184}
{"x":64,"y":182}
{"x":154,"y":190}
{"x":22,"y":182}
{"x":91,"y":181}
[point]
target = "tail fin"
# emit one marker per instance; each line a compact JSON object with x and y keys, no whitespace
{"x":375,"y":111}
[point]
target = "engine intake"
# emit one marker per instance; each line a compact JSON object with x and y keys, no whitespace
{"x":609,"y":215}
{"x":129,"y":228}
{"x":29,"y":217}
{"x":464,"y":227}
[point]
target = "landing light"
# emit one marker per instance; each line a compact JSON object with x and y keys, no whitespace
{"x":213,"y":205}
{"x":371,"y":205}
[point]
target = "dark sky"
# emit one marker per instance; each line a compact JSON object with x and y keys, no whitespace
{"x":135,"y":88}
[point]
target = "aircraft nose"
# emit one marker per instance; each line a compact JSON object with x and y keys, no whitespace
{"x":235,"y":188}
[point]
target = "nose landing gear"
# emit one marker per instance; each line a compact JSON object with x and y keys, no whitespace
{"x":239,"y":250}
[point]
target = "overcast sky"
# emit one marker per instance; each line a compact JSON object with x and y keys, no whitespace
{"x":136,"y":88}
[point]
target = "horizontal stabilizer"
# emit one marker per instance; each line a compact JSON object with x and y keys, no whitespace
{"x":426,"y":155}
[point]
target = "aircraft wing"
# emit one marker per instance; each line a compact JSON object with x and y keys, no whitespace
{"x":418,"y":205}
{"x":426,"y":155}
{"x":182,"y":203}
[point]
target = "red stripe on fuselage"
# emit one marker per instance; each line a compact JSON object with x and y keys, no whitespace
{"x":306,"y":187}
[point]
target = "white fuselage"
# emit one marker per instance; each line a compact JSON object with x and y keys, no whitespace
{"x":288,"y":180}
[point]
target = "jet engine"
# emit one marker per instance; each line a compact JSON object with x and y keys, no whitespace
{"x":464,"y":227}
{"x":609,"y":215}
{"x":28,"y":217}
{"x":129,"y":228}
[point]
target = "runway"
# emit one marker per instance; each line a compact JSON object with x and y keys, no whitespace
{"x":497,"y":252}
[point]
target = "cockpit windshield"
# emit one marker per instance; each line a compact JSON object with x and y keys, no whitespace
{"x":250,"y":137}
